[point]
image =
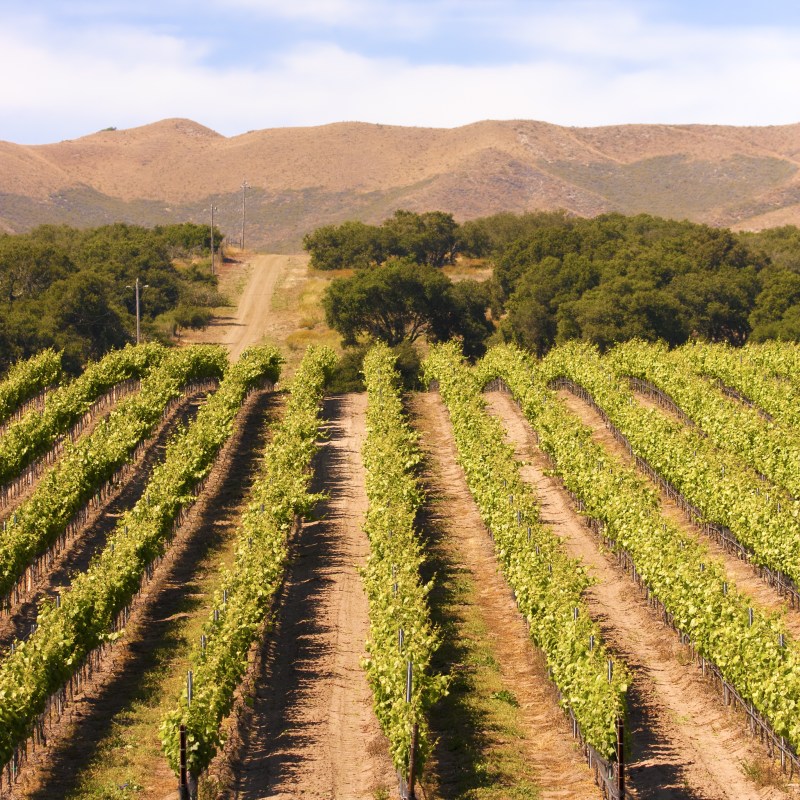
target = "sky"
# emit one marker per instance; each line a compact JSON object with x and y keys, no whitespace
{"x":72,"y":67}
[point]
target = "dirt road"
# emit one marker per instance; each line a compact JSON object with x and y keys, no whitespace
{"x":250,"y":322}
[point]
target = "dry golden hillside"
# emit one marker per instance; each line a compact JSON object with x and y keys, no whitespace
{"x":303,"y":177}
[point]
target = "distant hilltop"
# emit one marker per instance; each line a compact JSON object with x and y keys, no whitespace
{"x":300,"y":178}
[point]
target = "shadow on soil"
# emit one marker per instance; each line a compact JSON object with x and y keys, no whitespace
{"x":458,"y":728}
{"x":293,"y":653}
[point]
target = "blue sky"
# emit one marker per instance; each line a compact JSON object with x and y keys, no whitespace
{"x":72,"y":67}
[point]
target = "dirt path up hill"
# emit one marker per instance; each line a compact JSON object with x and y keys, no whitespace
{"x":251,"y":320}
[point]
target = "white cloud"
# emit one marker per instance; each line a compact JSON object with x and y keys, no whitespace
{"x":590,"y":69}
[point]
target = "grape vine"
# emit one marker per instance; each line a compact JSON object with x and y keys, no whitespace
{"x":763,"y":517}
{"x":750,"y":646}
{"x":67,"y":631}
{"x":31,"y":436}
{"x":26,"y":379}
{"x":93,"y":459}
{"x":401,"y":631}
{"x":547,"y":583}
{"x":245,"y":593}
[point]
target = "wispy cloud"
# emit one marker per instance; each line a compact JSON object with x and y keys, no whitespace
{"x":261,"y":63}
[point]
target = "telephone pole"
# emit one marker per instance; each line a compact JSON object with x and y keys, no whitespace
{"x":245,"y":187}
{"x":136,"y":287}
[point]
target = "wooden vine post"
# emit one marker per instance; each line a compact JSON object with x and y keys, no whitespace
{"x":620,"y":759}
{"x":183,"y":784}
{"x":412,"y":761}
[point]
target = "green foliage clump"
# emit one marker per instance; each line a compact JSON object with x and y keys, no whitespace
{"x":430,"y":238}
{"x":72,"y":289}
{"x":26,"y":379}
{"x":402,"y":301}
{"x":615,"y":278}
{"x":398,"y":598}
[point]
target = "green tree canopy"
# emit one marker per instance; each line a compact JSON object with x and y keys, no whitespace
{"x":401,"y":301}
{"x":428,"y":238}
{"x":71,"y":289}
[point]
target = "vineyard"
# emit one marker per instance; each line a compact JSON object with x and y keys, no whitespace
{"x":575,"y":576}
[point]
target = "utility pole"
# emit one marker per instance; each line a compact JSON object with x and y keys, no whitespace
{"x":135,"y":287}
{"x":245,"y":187}
{"x":138,"y":313}
{"x":213,"y":209}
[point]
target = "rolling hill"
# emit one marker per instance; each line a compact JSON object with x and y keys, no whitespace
{"x":300,"y":178}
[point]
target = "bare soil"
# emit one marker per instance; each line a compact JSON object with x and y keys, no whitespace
{"x":312,"y":733}
{"x":685,"y":743}
{"x":250,"y":322}
{"x":547,"y":753}
{"x":125,"y":676}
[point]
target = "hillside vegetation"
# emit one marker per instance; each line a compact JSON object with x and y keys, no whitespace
{"x":75,"y":290}
{"x":303,"y":178}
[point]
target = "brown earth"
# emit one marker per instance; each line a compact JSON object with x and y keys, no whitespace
{"x":686,"y":744}
{"x":301,"y":178}
{"x":312,"y":732}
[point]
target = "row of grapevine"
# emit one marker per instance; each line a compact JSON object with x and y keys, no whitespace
{"x":776,"y":358}
{"x":93,"y":459}
{"x":245,"y":593}
{"x":763,"y":518}
{"x":728,"y":424}
{"x":69,"y":629}
{"x":37,"y":431}
{"x":402,"y":639}
{"x":736,"y":372}
{"x":548,"y":585}
{"x":26,"y":379}
{"x":749,"y":646}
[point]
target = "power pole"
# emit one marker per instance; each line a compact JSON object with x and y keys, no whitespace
{"x":245,"y":187}
{"x":213,"y":209}
{"x":135,"y":287}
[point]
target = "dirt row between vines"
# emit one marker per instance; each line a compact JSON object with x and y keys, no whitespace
{"x":312,"y":732}
{"x":93,"y":729}
{"x":80,"y":549}
{"x":685,"y":743}
{"x":742,"y":573}
{"x":536,"y":748}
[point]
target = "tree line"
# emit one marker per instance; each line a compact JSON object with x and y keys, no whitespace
{"x":557,"y":277}
{"x":73,"y":290}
